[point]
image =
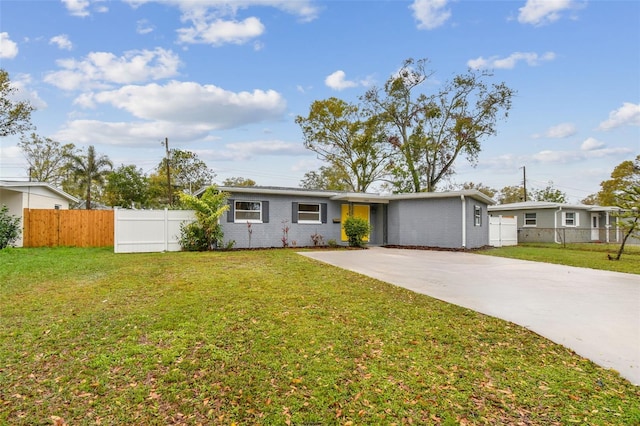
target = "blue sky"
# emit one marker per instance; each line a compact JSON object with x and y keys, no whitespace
{"x":226,"y":79}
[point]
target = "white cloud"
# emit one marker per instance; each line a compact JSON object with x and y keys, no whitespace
{"x":143,"y":26}
{"x":560,"y":131}
{"x":338,"y":81}
{"x":589,"y":149}
{"x":213,"y":21}
{"x":102,"y":69}
{"x":8,"y":48}
{"x":591,"y":144}
{"x":221,"y":32}
{"x":77,"y":7}
{"x":80,"y":8}
{"x":541,"y":12}
{"x":627,"y":115}
{"x":187,"y":102}
{"x":531,"y":59}
{"x":134,"y":133}
{"x":430,"y":13}
{"x":245,"y":150}
{"x":304,"y":9}
{"x":22,"y":83}
{"x":62,"y":41}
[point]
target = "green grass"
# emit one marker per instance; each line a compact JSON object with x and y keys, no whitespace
{"x":269,"y":337}
{"x":584,"y":255}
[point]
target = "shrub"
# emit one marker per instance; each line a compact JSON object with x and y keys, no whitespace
{"x":208,"y":209}
{"x":356,"y":229}
{"x":193,"y":237}
{"x":332,"y":243}
{"x":317,"y":239}
{"x":9,"y":227}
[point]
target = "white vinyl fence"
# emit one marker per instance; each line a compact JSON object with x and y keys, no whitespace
{"x":503,"y":231}
{"x":140,"y":231}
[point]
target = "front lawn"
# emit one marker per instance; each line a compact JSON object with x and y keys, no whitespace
{"x":586,"y":255}
{"x":269,"y":337}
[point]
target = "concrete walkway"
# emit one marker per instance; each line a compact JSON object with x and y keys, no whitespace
{"x":594,"y":313}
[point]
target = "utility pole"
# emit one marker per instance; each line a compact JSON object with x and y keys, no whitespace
{"x":524,"y":182}
{"x":166,"y":147}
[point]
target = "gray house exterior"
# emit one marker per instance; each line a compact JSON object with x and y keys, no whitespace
{"x":273,"y":217}
{"x":541,"y":221}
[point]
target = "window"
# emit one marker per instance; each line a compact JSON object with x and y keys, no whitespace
{"x":569,"y":219}
{"x":477,"y":215}
{"x":248,"y":211}
{"x":309,"y":213}
{"x":530,"y":219}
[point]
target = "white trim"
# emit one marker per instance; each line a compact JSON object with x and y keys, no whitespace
{"x":236,"y":210}
{"x":310,"y":222}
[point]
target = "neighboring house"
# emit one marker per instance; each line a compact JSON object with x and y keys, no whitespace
{"x":541,"y":221}
{"x":272,"y":217}
{"x":18,"y":196}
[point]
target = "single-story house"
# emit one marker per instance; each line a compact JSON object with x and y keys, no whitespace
{"x":272,"y":217}
{"x":541,"y":221}
{"x":18,"y":196}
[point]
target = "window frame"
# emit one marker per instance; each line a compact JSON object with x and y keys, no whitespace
{"x":308,"y":221}
{"x":236,"y":210}
{"x":574,"y":219}
{"x":477,"y":215}
{"x":535,"y":219}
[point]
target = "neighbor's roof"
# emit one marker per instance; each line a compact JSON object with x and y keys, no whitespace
{"x":537,"y":205}
{"x":22,"y":186}
{"x":360,"y":197}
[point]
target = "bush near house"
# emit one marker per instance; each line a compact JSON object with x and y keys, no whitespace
{"x":9,"y":227}
{"x":357,"y":230}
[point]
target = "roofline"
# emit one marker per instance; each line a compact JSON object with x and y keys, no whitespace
{"x":471,"y":193}
{"x":10,"y":184}
{"x":361,"y":197}
{"x":551,"y":205}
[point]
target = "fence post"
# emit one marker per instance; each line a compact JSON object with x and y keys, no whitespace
{"x":166,"y":229}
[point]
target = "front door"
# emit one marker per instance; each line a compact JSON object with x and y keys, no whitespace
{"x":358,"y":210}
{"x":595,"y":226}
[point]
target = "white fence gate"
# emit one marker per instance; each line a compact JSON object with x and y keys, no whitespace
{"x":140,"y":231}
{"x":503,"y":231}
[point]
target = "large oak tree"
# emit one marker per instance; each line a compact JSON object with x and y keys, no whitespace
{"x":430,"y":130}
{"x":349,"y":139}
{"x":48,"y":159}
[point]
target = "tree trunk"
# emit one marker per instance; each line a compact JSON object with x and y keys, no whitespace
{"x":624,"y":240}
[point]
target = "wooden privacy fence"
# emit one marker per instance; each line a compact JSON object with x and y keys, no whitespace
{"x":78,"y":228}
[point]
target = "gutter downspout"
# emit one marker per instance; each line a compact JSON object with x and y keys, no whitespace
{"x":607,"y":224}
{"x":555,"y":225}
{"x":464,"y":222}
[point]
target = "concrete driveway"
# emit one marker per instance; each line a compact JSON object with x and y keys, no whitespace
{"x":594,"y":313}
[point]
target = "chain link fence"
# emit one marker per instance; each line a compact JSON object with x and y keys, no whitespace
{"x":570,"y":235}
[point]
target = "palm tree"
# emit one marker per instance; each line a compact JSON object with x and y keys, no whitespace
{"x":90,"y":169}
